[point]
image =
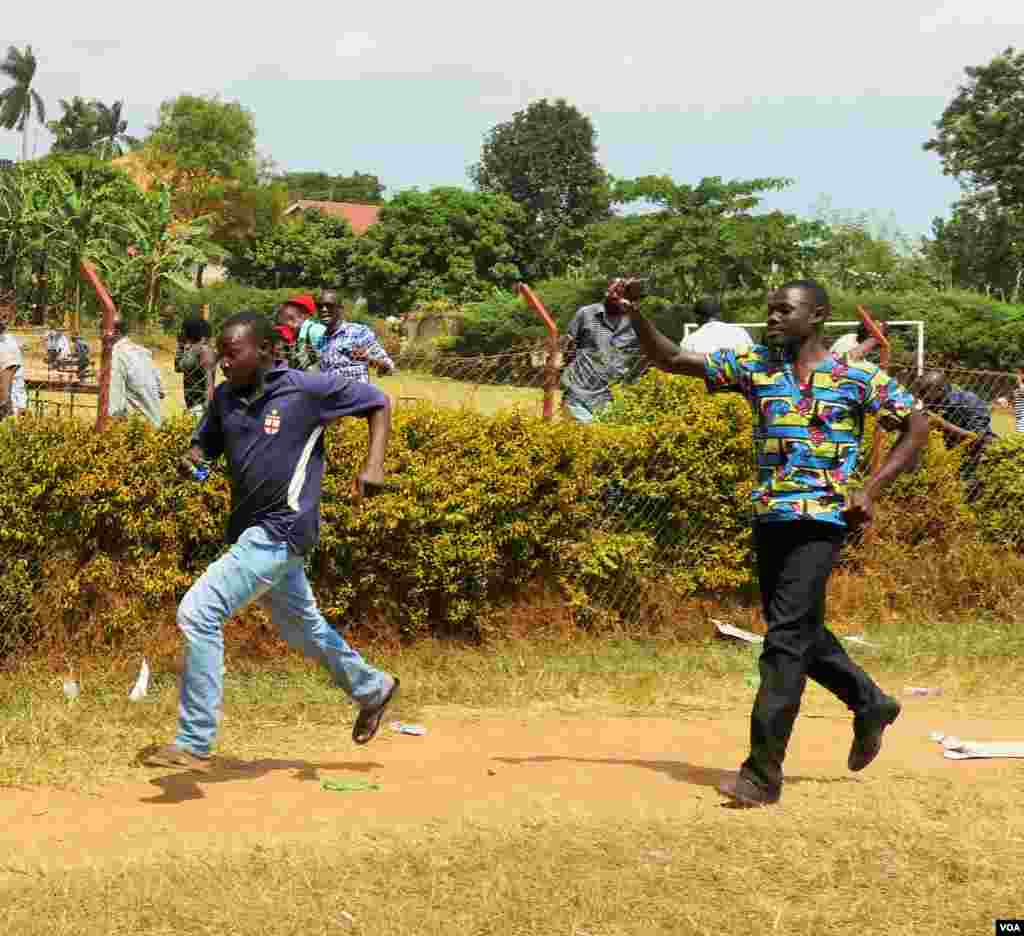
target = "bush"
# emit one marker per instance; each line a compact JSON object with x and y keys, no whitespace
{"x":100,"y":537}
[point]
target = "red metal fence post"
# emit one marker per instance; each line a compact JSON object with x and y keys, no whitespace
{"x":551,"y":362}
{"x":109,"y":311}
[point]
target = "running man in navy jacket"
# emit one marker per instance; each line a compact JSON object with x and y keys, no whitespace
{"x":268,"y":422}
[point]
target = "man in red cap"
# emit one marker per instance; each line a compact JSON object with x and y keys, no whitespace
{"x":299,"y":314}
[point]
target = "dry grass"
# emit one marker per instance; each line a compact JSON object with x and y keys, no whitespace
{"x":895,"y":853}
{"x":933,"y":858}
{"x":84,"y":745}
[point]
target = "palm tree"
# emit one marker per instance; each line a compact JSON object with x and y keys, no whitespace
{"x":111,"y":127}
{"x":77,"y":131}
{"x":16,"y":102}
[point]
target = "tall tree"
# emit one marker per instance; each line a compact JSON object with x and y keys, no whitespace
{"x":111,"y":128}
{"x":206,"y":135}
{"x":980,"y":136}
{"x":19,"y":100}
{"x":545,"y":159}
{"x":360,"y":187}
{"x":204,"y":150}
{"x":78,"y":128}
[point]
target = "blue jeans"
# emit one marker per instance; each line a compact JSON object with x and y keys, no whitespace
{"x":257,"y":568}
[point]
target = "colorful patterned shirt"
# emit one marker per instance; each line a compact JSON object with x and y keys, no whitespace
{"x":806,"y":437}
{"x":336,"y":352}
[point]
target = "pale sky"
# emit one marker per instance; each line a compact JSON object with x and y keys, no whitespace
{"x":836,"y":95}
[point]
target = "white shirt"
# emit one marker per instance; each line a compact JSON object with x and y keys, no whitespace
{"x":845,"y":343}
{"x":10,"y":353}
{"x":135,"y":385}
{"x":715,"y":335}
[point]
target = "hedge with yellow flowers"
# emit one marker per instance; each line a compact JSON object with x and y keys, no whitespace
{"x":100,"y":536}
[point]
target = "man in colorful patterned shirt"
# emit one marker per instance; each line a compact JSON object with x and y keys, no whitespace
{"x":809,"y":410}
{"x":348,"y":348}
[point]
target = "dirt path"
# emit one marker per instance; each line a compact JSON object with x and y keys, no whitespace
{"x":489,"y":770}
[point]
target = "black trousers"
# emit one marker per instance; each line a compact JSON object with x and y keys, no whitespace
{"x":794,"y":561}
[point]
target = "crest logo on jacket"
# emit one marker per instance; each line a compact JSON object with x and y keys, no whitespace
{"x":272,"y":424}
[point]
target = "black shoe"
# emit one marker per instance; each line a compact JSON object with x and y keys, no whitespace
{"x":867,"y":732}
{"x":746,"y":793}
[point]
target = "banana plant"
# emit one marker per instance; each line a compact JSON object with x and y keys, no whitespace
{"x":160,"y":249}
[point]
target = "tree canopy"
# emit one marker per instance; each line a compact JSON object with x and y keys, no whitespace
{"x":692,"y":240}
{"x":545,"y":160}
{"x":313,"y":251}
{"x":360,"y":187}
{"x":980,"y":136}
{"x":443,"y":243}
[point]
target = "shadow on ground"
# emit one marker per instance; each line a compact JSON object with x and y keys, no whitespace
{"x":676,"y":770}
{"x":185,"y":785}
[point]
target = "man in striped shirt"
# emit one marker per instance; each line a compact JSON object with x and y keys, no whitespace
{"x":349,"y":348}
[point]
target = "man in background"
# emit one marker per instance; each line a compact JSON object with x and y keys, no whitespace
{"x":962,"y":417}
{"x":196,"y":361}
{"x":299,"y":314}
{"x":604,"y":350}
{"x":58,"y":348}
{"x":135,"y":385}
{"x":13,"y":398}
{"x":713,"y":334}
{"x":349,"y":348}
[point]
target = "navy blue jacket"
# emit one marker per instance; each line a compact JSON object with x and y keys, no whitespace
{"x":273,"y":441}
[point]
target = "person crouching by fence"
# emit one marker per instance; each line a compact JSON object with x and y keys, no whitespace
{"x":196,"y":362}
{"x":963,"y":418}
{"x":603,"y":350}
{"x":268,"y":421}
{"x":809,"y":409}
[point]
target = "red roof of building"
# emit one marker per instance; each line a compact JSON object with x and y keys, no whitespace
{"x":359,"y":216}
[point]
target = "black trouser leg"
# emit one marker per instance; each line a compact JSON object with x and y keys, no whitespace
{"x":794,"y":561}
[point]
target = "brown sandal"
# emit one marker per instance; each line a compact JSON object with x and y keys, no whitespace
{"x":368,"y":721}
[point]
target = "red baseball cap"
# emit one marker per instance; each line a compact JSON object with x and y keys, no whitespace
{"x":305,"y":302}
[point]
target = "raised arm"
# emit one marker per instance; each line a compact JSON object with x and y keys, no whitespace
{"x":664,"y":353}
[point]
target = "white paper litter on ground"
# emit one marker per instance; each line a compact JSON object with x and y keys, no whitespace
{"x":737,"y":633}
{"x":71,"y":689}
{"x":141,"y":686}
{"x":861,"y":642}
{"x":955,"y":749}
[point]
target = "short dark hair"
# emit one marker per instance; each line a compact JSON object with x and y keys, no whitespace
{"x":707,"y":308}
{"x":121,"y":324}
{"x":195,"y":329}
{"x":261,"y":327}
{"x":818,"y":292}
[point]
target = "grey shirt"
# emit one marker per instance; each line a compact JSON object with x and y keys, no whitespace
{"x":607,"y":352}
{"x":135,"y":385}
